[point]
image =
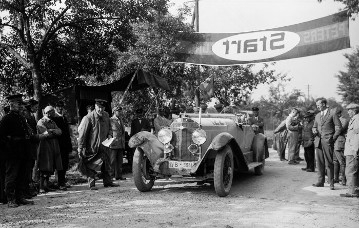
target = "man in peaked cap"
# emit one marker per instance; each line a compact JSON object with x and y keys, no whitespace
{"x":351,"y":151}
{"x":95,"y":129}
{"x":16,"y":133}
{"x":118,"y":145}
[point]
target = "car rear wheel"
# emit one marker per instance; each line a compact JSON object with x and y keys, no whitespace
{"x":141,"y":169}
{"x":223,"y":171}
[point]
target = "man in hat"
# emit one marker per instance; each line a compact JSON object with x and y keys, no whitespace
{"x":256,"y":121}
{"x":95,"y":129}
{"x":351,"y":151}
{"x":308,"y":141}
{"x":326,"y":129}
{"x":339,"y":158}
{"x":15,"y":134}
{"x":64,"y":142}
{"x":118,"y":145}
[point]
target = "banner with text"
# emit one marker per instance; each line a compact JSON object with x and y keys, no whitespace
{"x":314,"y":37}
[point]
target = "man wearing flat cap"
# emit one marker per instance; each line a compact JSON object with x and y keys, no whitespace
{"x":351,"y":151}
{"x":96,"y":128}
{"x":16,"y":135}
{"x":118,"y":145}
{"x":256,"y":120}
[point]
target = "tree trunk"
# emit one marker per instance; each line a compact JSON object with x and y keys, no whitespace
{"x":36,"y":80}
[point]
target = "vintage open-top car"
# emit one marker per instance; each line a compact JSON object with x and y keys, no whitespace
{"x":199,"y":147}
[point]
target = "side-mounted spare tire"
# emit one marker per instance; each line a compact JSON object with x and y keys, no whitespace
{"x":141,"y":169}
{"x":223,"y":171}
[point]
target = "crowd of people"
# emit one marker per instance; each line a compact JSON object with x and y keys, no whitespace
{"x":330,"y":142}
{"x":34,"y":149}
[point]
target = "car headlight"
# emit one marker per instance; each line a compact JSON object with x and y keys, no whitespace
{"x":165,"y":135}
{"x":199,"y":136}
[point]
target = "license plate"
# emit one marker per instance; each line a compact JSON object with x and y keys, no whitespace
{"x":180,"y":164}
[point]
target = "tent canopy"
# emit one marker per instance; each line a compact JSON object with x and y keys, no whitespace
{"x":76,"y":98}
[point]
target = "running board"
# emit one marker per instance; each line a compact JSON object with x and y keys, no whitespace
{"x":254,"y":164}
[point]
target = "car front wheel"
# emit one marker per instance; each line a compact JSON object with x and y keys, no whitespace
{"x":141,"y":169}
{"x":223,"y":171}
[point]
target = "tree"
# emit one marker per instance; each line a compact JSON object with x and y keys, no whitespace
{"x":33,"y":29}
{"x":349,"y":80}
{"x":351,"y":5}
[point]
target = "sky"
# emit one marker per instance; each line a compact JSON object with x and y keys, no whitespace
{"x":318,"y":73}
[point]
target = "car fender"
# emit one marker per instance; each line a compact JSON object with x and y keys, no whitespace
{"x":149,"y":144}
{"x":259,"y":147}
{"x":218,"y":143}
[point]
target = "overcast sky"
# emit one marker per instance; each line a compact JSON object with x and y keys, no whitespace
{"x":250,"y":15}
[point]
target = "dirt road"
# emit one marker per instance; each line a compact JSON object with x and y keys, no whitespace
{"x":282,"y":197}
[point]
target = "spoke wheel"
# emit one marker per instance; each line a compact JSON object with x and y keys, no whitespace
{"x":223,"y":171}
{"x":141,"y":169}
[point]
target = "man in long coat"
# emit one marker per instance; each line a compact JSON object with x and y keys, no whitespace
{"x":281,"y":139}
{"x":49,"y":155}
{"x":15,"y":135}
{"x":64,"y":143}
{"x":95,"y":129}
{"x":118,"y":145}
{"x":327,"y":128}
{"x":351,"y":151}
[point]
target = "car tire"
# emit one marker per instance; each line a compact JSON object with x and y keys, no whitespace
{"x":141,"y":171}
{"x":259,"y":169}
{"x":223,"y":171}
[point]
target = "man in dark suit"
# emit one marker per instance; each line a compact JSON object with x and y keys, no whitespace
{"x":140,"y":123}
{"x":326,"y":128}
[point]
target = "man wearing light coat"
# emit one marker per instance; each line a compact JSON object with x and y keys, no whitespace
{"x":351,"y":151}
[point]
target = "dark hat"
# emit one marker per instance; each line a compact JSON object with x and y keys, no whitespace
{"x":100,"y":102}
{"x":116,"y":108}
{"x":255,"y":109}
{"x":14,"y":97}
{"x":308,"y":113}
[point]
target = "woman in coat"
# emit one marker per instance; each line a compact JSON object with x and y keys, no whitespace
{"x":48,"y":156}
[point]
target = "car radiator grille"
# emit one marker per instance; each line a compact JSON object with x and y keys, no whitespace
{"x":182,"y":139}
